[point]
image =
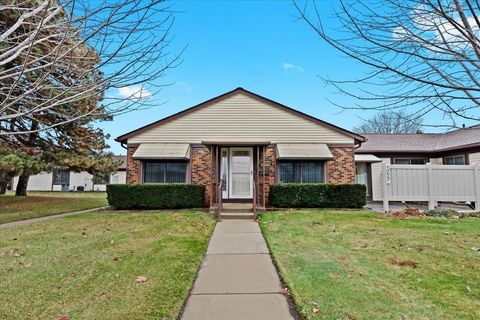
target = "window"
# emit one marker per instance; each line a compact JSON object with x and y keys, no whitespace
{"x":410,"y":161}
{"x":362,"y":175}
{"x":165,"y":172}
{"x":61,"y":177}
{"x":101,"y":179}
{"x":301,"y":172}
{"x":455,"y":160}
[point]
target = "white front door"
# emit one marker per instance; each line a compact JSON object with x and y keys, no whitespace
{"x":241,"y":173}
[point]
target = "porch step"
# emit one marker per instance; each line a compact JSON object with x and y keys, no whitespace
{"x":233,"y":205}
{"x":237,"y":215}
{"x":236,"y":210}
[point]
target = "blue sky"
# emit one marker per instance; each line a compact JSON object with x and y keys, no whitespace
{"x":258,"y":45}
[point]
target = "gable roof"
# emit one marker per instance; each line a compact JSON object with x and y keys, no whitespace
{"x":123,"y":163}
{"x":226,"y":95}
{"x":422,"y":142}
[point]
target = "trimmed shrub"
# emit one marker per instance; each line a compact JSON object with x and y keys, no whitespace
{"x":155,"y":196}
{"x":318,"y":195}
{"x":445,"y":213}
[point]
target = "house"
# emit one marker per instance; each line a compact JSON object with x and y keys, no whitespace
{"x":457,"y":147}
{"x":238,"y":144}
{"x":65,"y":180}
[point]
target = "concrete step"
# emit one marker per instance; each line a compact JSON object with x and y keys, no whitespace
{"x":237,"y":210}
{"x":237,"y":205}
{"x":237,"y":215}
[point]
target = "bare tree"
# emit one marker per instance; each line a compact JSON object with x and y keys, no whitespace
{"x":62,"y":61}
{"x":423,"y":55}
{"x":389,"y":122}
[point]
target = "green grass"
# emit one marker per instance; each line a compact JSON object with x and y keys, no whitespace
{"x":86,"y":266}
{"x":346,"y":264}
{"x":39,"y":204}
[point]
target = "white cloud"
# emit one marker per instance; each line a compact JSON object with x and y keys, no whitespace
{"x":437,"y":29}
{"x":400,"y":34}
{"x":291,"y":66}
{"x":134,"y":93}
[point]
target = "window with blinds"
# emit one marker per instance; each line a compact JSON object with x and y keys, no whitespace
{"x":455,"y":160}
{"x":165,"y":171}
{"x":410,"y":161}
{"x":302,"y":171}
{"x":101,"y":179}
{"x":61,"y":177}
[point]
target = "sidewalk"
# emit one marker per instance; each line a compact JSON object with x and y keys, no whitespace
{"x":44,"y":218}
{"x":237,"y":279}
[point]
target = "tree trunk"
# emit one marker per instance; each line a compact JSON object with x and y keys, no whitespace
{"x":3,"y":185}
{"x":22,"y":185}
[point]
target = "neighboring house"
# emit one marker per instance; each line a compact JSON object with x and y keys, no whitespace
{"x":245,"y":141}
{"x":458,"y":147}
{"x":65,"y":180}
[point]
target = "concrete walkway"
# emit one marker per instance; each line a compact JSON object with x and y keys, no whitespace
{"x":237,"y":279}
{"x":40,"y":219}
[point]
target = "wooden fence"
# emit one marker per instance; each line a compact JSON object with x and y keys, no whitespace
{"x":431,"y":183}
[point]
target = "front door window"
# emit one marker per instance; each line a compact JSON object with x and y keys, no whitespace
{"x":240,"y":176}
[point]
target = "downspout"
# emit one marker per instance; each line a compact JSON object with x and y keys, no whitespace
{"x":359,"y":144}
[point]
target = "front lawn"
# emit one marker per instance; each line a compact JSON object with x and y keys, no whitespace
{"x":102,"y":265}
{"x":360,"y":265}
{"x":39,"y":204}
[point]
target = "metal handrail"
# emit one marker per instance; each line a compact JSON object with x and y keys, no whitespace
{"x":220,"y":200}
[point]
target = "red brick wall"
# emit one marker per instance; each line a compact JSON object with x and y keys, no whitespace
{"x":134,"y":167}
{"x":201,"y":163}
{"x":339,"y":170}
{"x":270,"y":172}
{"x":342,"y":168}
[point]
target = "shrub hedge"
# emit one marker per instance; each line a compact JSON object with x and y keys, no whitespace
{"x":155,"y":196}
{"x":318,"y":195}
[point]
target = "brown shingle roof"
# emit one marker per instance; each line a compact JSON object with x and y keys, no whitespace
{"x":423,"y":142}
{"x":123,"y":165}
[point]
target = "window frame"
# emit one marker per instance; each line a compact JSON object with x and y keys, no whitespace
{"x":106,"y":176}
{"x":454,"y":157}
{"x":410,"y":161}
{"x":301,"y":162}
{"x":165,"y":162}
{"x":55,"y":181}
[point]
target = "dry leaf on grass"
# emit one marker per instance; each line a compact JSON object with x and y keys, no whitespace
{"x":141,"y":279}
{"x":404,"y":263}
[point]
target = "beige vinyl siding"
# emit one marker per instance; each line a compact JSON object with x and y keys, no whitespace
{"x":474,"y":158}
{"x":436,"y":160}
{"x":377,"y":179}
{"x":240,"y":118}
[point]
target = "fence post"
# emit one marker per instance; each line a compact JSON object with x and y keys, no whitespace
{"x":385,"y":185}
{"x":431,"y":198}
{"x":476,"y":179}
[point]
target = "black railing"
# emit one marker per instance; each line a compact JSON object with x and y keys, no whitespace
{"x":220,"y":200}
